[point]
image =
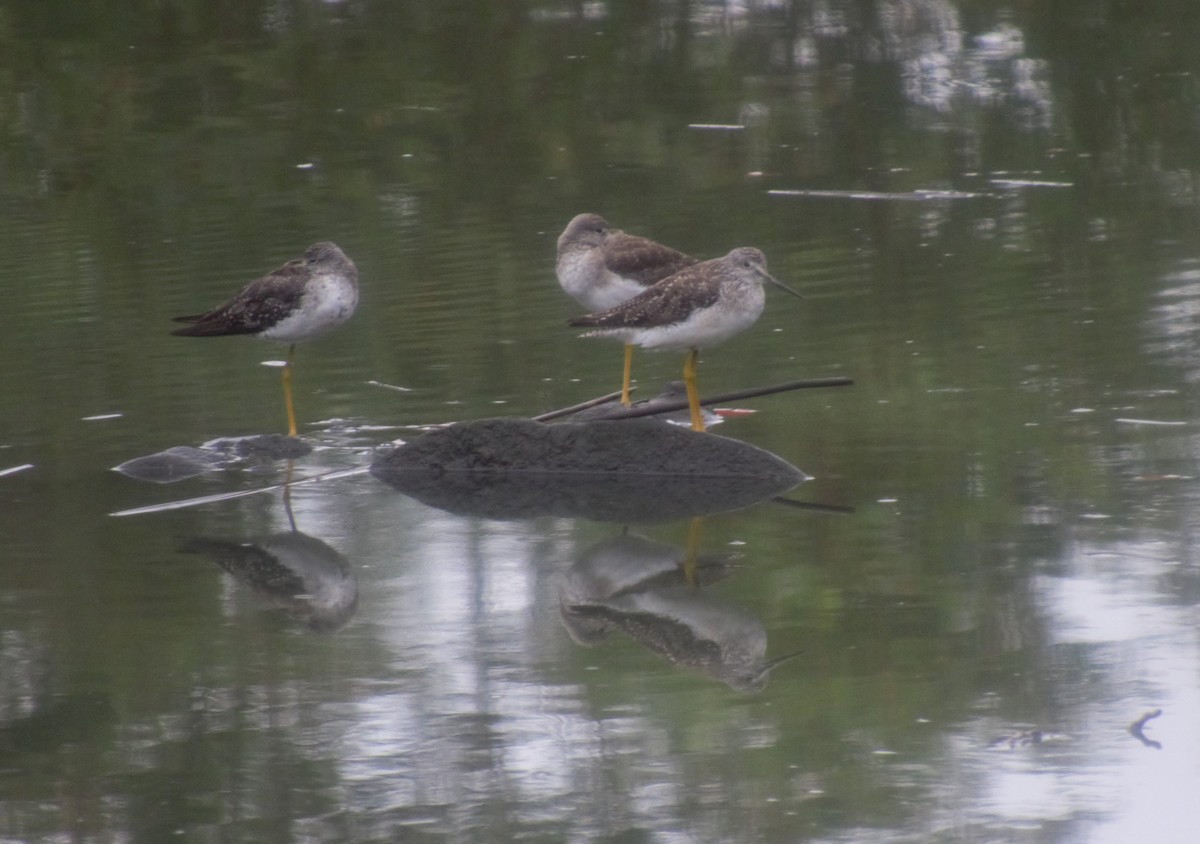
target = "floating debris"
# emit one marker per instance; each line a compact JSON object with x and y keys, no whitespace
{"x":1029,"y":183}
{"x":902,"y":196}
{"x":12,"y":470}
{"x":1165,"y":423}
{"x":395,"y":387}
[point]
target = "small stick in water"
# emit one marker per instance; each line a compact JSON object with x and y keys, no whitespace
{"x":668,"y":406}
{"x":576,"y":408}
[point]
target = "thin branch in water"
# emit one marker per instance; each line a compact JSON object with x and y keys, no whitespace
{"x":653,"y":408}
{"x":576,"y":408}
{"x":395,"y":387}
{"x":333,"y":474}
{"x":1135,"y":729}
{"x":836,"y":509}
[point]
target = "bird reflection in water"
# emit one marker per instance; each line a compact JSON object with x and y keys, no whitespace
{"x":290,"y":570}
{"x":652,"y":592}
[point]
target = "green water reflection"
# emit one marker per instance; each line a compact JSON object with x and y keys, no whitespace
{"x":1017,"y":453}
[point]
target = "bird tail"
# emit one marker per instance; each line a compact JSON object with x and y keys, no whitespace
{"x":190,"y":331}
{"x":200,"y":327}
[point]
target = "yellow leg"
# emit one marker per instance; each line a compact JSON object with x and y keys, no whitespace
{"x":692,"y":553}
{"x":689,"y":381}
{"x":287,"y":390}
{"x":625,"y":380}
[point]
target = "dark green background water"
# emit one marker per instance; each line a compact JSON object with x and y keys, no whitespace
{"x":1018,"y":448}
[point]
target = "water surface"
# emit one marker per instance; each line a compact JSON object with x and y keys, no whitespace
{"x":991,"y":211}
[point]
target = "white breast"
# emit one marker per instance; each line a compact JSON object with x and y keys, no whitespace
{"x":738,"y":308}
{"x":585,"y":279}
{"x":328,"y":301}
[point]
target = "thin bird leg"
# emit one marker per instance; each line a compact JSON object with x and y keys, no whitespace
{"x":689,"y":381}
{"x":692,"y":552}
{"x":625,"y":380}
{"x":287,"y":390}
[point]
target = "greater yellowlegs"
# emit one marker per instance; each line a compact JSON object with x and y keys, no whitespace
{"x":700,"y":306}
{"x":299,"y":301}
{"x":601,"y":267}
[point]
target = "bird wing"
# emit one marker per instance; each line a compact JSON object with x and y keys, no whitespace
{"x":641,"y":259}
{"x":259,"y":305}
{"x":670,"y":300}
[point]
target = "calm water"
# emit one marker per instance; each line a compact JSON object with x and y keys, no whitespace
{"x":992,"y":211}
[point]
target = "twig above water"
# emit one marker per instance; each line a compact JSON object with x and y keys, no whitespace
{"x":836,"y":509}
{"x":576,"y":408}
{"x":654,"y":407}
{"x":1135,"y":729}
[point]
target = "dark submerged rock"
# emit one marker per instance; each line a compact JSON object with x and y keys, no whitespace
{"x":632,"y":471}
{"x":174,"y":464}
{"x":265,"y":446}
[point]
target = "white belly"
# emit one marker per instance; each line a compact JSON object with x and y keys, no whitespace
{"x":586,"y":280}
{"x":702,"y":329}
{"x":328,"y":301}
{"x":736,"y":310}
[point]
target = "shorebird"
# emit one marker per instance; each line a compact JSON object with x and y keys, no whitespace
{"x":303,"y":299}
{"x":700,"y":306}
{"x":601,"y":267}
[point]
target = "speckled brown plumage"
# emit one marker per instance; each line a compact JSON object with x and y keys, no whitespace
{"x":601,"y":266}
{"x":265,"y":303}
{"x":644,"y":260}
{"x":669,"y":301}
{"x":258,"y":306}
{"x":700,"y":306}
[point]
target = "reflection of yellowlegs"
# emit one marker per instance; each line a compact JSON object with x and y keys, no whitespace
{"x":699,"y":306}
{"x":601,"y":267}
{"x":299,"y":301}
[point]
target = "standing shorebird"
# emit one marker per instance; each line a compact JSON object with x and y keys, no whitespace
{"x":601,"y":267}
{"x":700,"y":306}
{"x":299,"y":301}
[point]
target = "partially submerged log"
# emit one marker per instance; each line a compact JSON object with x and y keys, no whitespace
{"x":633,"y":471}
